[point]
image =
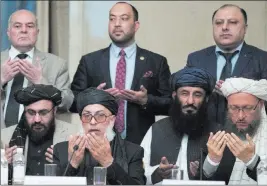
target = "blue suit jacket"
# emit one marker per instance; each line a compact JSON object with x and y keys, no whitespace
{"x":252,"y":63}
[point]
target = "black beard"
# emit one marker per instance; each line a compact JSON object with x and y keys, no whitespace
{"x":40,"y":137}
{"x":241,"y":133}
{"x":190,"y":124}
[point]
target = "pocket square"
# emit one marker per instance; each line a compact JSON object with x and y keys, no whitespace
{"x":148,"y":74}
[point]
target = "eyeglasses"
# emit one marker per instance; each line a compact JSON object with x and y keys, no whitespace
{"x":41,"y":113}
{"x":86,"y":118}
{"x":247,"y":109}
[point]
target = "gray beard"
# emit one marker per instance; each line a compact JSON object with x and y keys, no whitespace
{"x":241,"y":133}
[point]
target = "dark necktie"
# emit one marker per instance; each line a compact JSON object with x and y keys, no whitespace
{"x":227,"y":69}
{"x":12,"y":109}
{"x":120,"y":84}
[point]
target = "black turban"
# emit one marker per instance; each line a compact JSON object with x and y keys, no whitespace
{"x":95,"y":96}
{"x":34,"y":93}
{"x":193,"y":77}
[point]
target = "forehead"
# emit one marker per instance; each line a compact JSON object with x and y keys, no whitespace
{"x":39,"y":105}
{"x":95,"y":108}
{"x":191,"y":89}
{"x":121,"y":9}
{"x":23,"y":17}
{"x":242,"y":99}
{"x":229,"y":13}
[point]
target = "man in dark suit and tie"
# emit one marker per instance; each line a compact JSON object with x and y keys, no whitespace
{"x":231,"y":56}
{"x":137,"y":77}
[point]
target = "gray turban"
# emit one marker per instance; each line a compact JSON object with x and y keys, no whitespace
{"x":34,"y":93}
{"x":193,"y":77}
{"x":95,"y":96}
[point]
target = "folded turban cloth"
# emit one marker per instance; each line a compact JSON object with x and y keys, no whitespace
{"x":34,"y":93}
{"x":192,"y":77}
{"x":95,"y":96}
{"x":257,"y":88}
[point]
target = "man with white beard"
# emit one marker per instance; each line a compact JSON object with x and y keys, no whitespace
{"x":245,"y":135}
{"x":100,"y":145}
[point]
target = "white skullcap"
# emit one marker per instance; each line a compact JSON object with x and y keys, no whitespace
{"x":236,"y":85}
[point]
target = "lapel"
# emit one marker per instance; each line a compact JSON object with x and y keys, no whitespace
{"x":243,"y":60}
{"x":104,"y":66}
{"x":4,"y":55}
{"x":38,"y":55}
{"x":140,"y":54}
{"x":211,"y":61}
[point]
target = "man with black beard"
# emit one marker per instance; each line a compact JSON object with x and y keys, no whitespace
{"x":185,"y":132}
{"x":38,"y":129}
{"x":235,"y":152}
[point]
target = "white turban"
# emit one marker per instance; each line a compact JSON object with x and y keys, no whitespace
{"x":254,"y":87}
{"x":258,"y":89}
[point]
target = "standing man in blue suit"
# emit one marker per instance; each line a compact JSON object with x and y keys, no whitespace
{"x":231,"y":56}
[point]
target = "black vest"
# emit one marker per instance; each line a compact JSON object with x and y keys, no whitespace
{"x":166,"y":142}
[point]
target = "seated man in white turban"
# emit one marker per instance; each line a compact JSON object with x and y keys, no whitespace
{"x":235,"y":152}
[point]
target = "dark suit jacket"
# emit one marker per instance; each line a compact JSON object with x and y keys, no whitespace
{"x":252,"y":64}
{"x":116,"y":175}
{"x":94,"y":69}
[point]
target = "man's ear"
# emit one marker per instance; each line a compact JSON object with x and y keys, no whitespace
{"x":174,"y":94}
{"x":55,"y":110}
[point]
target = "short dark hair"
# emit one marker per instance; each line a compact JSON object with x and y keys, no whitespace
{"x":244,"y":13}
{"x":135,"y":12}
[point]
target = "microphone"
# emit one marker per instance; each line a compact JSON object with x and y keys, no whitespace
{"x":76,"y":147}
{"x":201,"y":163}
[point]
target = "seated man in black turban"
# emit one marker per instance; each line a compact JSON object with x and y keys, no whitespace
{"x":99,"y":145}
{"x":37,"y":129}
{"x":176,"y":141}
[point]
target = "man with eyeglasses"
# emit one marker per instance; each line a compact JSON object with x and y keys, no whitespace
{"x":235,"y":152}
{"x":100,"y":144}
{"x":38,"y":130}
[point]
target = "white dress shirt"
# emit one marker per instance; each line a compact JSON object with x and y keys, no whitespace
{"x":13,"y":52}
{"x":181,"y":159}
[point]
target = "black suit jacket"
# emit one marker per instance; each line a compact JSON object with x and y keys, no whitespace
{"x":94,"y":69}
{"x":115,"y":173}
{"x":252,"y":64}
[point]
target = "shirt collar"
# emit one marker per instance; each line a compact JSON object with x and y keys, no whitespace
{"x":217,"y":49}
{"x":13,"y":52}
{"x":129,"y":51}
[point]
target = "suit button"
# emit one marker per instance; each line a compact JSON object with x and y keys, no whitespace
{"x":37,"y":174}
{"x":39,"y":151}
{"x":38,"y":163}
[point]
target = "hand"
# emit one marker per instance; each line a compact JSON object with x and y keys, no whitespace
{"x":194,"y":167}
{"x":165,"y":168}
{"x":216,"y":145}
{"x":10,"y":152}
{"x":100,"y":149}
{"x":139,"y":97}
{"x":218,"y":87}
{"x":78,"y":154}
{"x":113,"y":91}
{"x":9,"y":69}
{"x":31,"y":72}
{"x":242,"y":150}
{"x":49,"y":154}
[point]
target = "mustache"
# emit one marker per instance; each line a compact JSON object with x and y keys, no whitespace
{"x":189,"y":106}
{"x":37,"y":124}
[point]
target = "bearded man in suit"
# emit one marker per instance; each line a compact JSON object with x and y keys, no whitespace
{"x":138,"y":77}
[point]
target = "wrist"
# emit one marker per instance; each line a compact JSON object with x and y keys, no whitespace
{"x":108,"y":162}
{"x":74,"y":164}
{"x":214,"y":159}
